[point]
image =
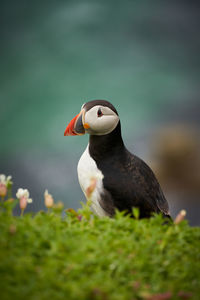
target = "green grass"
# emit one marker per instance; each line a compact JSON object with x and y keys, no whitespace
{"x":81,"y":256}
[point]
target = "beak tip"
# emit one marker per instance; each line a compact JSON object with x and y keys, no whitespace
{"x":71,"y":130}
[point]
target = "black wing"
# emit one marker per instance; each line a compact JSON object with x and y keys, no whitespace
{"x":148,"y":186}
{"x":129,"y":182}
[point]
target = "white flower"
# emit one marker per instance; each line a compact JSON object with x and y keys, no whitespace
{"x":5,"y":180}
{"x":9,"y":178}
{"x":4,"y":184}
{"x":46,"y":193}
{"x":23,"y":196}
{"x":24,"y":193}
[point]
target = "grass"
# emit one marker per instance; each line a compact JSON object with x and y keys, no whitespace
{"x":81,"y":256}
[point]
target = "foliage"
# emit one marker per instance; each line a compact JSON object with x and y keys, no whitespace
{"x":81,"y":256}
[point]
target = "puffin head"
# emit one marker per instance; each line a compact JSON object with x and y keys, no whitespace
{"x":97,"y":117}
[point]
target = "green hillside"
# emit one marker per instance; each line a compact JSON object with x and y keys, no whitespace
{"x":81,"y":256}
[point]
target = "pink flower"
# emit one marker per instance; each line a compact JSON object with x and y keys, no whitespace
{"x":23,"y":203}
{"x":3,"y":190}
{"x":48,"y":199}
{"x":23,"y":196}
{"x":4,"y":183}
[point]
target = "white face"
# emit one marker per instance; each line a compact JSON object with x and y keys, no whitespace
{"x":101,"y":120}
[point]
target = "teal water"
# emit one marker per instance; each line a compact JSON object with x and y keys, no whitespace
{"x":141,"y":56}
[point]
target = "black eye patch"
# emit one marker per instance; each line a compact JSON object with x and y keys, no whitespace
{"x":99,"y":113}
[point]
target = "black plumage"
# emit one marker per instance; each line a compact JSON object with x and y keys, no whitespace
{"x":128,"y":181}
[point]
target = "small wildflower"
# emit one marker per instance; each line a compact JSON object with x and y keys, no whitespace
{"x":180,"y":217}
{"x":5,"y":180}
{"x":48,"y":199}
{"x":4,"y":183}
{"x":3,"y":190}
{"x":23,"y":196}
{"x":59,"y":205}
{"x":2,"y":178}
{"x":94,"y":183}
{"x":91,"y":188}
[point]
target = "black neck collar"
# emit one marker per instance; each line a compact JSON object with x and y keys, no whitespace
{"x":102,"y":146}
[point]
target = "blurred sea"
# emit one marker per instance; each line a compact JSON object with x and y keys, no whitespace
{"x":142,"y":56}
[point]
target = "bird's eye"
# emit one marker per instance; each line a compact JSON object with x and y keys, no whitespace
{"x":99,"y":113}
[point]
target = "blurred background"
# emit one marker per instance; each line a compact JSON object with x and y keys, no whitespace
{"x":143,"y":56}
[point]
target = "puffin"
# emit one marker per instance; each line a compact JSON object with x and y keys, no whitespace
{"x":120,"y":179}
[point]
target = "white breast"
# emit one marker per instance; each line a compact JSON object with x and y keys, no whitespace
{"x":87,"y":169}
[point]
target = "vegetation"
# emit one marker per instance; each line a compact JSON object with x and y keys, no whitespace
{"x":80,"y":256}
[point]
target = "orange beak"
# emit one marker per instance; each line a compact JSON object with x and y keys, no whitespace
{"x":70,"y":128}
{"x":75,"y":126}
